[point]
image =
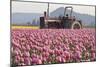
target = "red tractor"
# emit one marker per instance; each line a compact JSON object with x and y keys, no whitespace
{"x":62,"y":22}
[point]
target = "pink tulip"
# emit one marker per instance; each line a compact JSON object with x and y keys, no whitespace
{"x":39,"y":61}
{"x":31,"y":47}
{"x":59,"y":59}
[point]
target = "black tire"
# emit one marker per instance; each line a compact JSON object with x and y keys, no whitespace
{"x":76,"y":25}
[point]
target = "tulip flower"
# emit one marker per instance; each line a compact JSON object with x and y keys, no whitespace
{"x":46,"y":46}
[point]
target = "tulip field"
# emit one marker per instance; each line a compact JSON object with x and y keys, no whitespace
{"x":52,"y":46}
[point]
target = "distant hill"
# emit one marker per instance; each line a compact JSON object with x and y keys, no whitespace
{"x":25,"y":18}
{"x":33,"y":18}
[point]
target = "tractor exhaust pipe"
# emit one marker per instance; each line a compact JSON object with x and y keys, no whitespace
{"x":48,"y":11}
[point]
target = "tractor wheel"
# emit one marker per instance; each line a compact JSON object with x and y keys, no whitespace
{"x":76,"y":25}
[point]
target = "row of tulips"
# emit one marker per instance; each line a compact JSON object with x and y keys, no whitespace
{"x":47,"y":46}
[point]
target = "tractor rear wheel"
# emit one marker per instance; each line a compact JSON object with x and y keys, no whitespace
{"x":76,"y":25}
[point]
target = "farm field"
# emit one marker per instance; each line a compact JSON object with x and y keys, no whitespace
{"x":47,"y":46}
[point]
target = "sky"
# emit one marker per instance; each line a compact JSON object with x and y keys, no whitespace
{"x":30,"y":7}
